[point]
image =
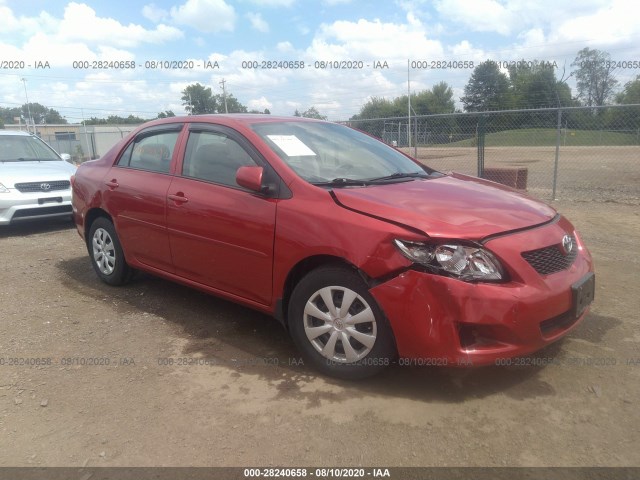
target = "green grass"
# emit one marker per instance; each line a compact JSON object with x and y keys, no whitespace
{"x":542,"y":137}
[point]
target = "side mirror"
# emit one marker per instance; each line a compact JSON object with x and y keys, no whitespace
{"x":66,"y":157}
{"x":250,"y":177}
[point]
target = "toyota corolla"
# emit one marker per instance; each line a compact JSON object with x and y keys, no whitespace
{"x":364,"y":254}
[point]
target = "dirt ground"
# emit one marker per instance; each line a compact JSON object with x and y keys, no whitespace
{"x":94,"y":384}
{"x":584,"y":174}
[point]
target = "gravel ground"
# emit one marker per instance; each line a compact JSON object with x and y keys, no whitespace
{"x":119,"y":376}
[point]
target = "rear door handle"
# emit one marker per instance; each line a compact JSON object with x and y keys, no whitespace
{"x":113,"y":183}
{"x":178,"y":198}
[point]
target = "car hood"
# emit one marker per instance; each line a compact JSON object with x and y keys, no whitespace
{"x":453,"y":206}
{"x":46,"y":171}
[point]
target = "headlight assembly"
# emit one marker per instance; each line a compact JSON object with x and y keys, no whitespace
{"x":469,"y":263}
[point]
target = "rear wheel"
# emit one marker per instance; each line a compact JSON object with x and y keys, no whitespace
{"x":106,"y":253}
{"x":338,"y":326}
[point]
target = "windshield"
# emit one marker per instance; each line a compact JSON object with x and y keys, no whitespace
{"x":332,"y":153}
{"x":18,"y":148}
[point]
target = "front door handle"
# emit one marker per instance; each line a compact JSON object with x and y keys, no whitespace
{"x":178,"y":197}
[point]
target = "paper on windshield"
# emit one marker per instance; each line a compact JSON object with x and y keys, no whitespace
{"x":291,"y":145}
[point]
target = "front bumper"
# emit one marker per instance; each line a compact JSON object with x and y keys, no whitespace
{"x":451,"y":322}
{"x":16,"y":206}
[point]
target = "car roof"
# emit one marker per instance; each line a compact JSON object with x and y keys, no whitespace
{"x":15,"y":132}
{"x":230,"y":119}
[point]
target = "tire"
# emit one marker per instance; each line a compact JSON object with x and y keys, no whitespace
{"x":106,"y":253}
{"x":327,"y":338}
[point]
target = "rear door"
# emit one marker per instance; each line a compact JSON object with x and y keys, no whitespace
{"x":221,"y":234}
{"x":136,"y":195}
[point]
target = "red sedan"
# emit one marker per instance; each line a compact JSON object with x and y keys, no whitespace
{"x":361,"y":252}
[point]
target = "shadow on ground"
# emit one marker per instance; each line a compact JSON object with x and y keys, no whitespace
{"x":238,"y":336}
{"x":35,"y":227}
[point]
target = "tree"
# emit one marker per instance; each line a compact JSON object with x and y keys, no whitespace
{"x":630,"y":94}
{"x":311,"y":112}
{"x":233,"y":105}
{"x":198,"y":99}
{"x":8,"y":114}
{"x":166,"y":114}
{"x":379,"y":107}
{"x":115,"y":120}
{"x":595,"y":81}
{"x":534,"y":85}
{"x":39,"y":113}
{"x":623,"y":118}
{"x":42,"y":114}
{"x":438,"y":99}
{"x":487,"y":89}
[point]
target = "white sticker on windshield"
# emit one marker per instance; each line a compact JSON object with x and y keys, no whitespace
{"x":291,"y":145}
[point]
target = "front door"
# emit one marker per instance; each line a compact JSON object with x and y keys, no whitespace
{"x":221,"y":235}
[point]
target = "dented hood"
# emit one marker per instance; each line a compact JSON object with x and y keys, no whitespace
{"x":453,"y":206}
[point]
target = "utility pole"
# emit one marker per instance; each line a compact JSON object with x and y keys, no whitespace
{"x":224,"y":95}
{"x":409,"y":104}
{"x":24,"y":82}
{"x":190,"y":105}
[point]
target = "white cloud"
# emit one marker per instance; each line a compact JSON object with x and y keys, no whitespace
{"x":259,"y":104}
{"x":273,"y":3}
{"x":208,"y":16}
{"x":80,"y":23}
{"x":284,"y":47}
{"x":479,"y":15}
{"x":366,"y":40}
{"x":257,"y":22}
{"x":154,"y":13}
{"x":612,"y":23}
{"x":332,"y":3}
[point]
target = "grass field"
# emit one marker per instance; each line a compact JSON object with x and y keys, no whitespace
{"x":540,"y":137}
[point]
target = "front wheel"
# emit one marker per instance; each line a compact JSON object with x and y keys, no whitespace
{"x":338,"y":326}
{"x":106,"y":253}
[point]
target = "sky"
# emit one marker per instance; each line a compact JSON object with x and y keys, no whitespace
{"x":61,"y":54}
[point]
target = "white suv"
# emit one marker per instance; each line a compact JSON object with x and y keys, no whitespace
{"x":34,"y":179}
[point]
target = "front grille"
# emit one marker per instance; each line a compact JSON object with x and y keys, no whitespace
{"x":42,"y":211}
{"x":551,"y":259}
{"x":31,"y":187}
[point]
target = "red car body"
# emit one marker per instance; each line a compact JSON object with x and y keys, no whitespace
{"x":253,"y":248}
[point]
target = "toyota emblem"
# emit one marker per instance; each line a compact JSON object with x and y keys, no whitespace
{"x":567,"y":244}
{"x":45,"y":186}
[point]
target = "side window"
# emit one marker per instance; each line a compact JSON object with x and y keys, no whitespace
{"x":214,"y":157}
{"x":151,"y":152}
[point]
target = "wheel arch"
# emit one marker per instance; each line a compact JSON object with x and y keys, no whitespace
{"x":91,"y":217}
{"x":302,"y":268}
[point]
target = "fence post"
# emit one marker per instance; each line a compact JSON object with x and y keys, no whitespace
{"x":555,"y":165}
{"x":415,"y":138}
{"x":480,"y":134}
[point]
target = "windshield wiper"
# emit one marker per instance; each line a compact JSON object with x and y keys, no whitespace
{"x":343,"y":182}
{"x":399,"y":176}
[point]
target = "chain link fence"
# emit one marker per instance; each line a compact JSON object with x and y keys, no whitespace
{"x":577,"y":153}
{"x":83,"y":143}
